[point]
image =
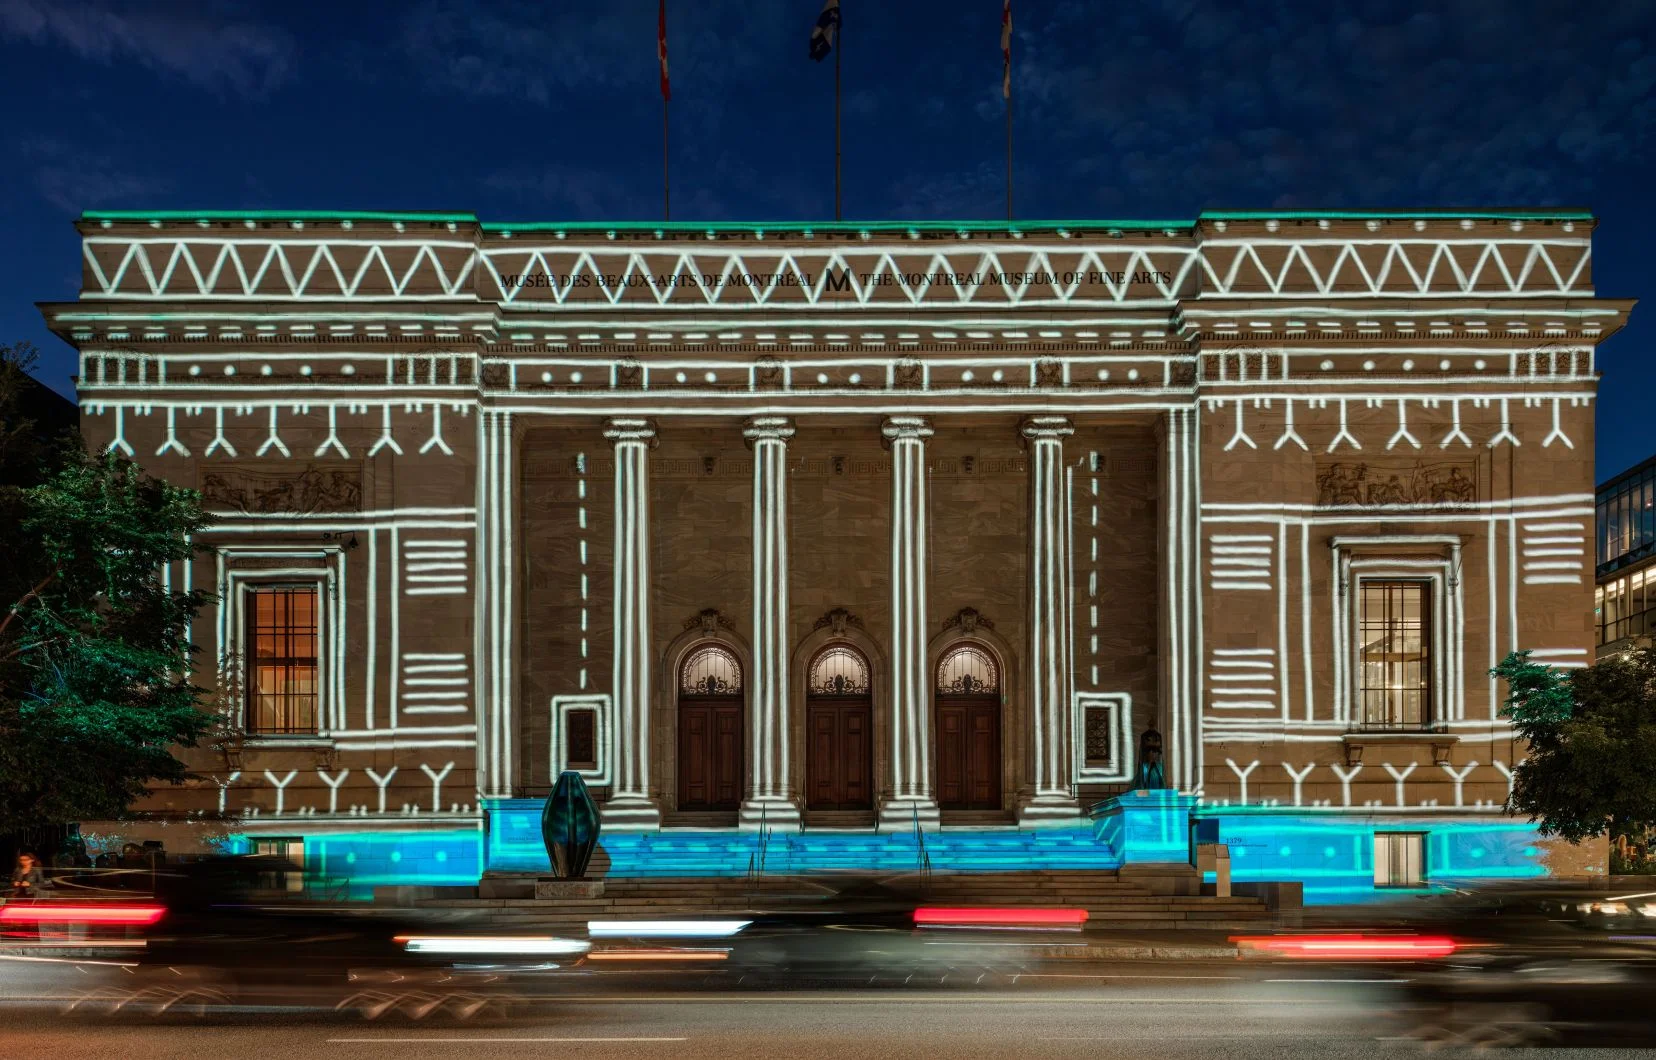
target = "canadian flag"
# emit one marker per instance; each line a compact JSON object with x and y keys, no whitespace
{"x":661,"y":50}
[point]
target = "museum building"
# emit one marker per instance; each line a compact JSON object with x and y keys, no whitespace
{"x":846,"y":540}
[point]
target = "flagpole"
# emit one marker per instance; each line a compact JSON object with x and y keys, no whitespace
{"x":1009,"y":158}
{"x":666,"y":172}
{"x":839,"y":40}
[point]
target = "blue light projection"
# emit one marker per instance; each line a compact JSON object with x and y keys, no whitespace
{"x":514,"y":845}
{"x":1334,"y":857}
{"x":362,"y":861}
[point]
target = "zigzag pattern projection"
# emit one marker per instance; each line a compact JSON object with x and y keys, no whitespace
{"x":991,"y":275}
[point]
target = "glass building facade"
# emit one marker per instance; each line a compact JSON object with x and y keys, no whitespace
{"x":1625,"y":600}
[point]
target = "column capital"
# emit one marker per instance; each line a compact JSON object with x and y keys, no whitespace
{"x":1046,"y":428}
{"x":768,"y":429}
{"x":898,"y":427}
{"x":622,"y":429}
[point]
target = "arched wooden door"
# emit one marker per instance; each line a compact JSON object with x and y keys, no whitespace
{"x":968,"y":692}
{"x":710,"y":712}
{"x":839,"y":731}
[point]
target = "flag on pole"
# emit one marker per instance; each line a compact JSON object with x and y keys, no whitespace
{"x":1006,"y":49}
{"x":661,"y":50}
{"x":822,"y":34}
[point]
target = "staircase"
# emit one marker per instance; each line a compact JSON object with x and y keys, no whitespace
{"x":794,"y":853}
{"x":1164,"y":898}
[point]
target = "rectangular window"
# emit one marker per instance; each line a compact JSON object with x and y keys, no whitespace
{"x":290,"y":849}
{"x":1399,"y":859}
{"x":1395,"y":655}
{"x":1096,"y":737}
{"x":282,"y":647}
{"x":581,"y":739}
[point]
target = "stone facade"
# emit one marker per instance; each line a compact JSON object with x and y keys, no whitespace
{"x":535,"y":467}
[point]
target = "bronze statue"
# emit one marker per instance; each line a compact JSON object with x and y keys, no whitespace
{"x":1151,"y":774}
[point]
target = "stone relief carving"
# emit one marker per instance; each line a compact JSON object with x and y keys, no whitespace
{"x":629,"y":373}
{"x":316,"y":488}
{"x":1419,"y":483}
{"x":837,"y":620}
{"x":711,"y":620}
{"x":768,"y":372}
{"x":967,"y":620}
{"x":1049,"y":374}
{"x":908,"y":375}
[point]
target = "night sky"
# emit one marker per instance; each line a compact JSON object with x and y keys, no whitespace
{"x":551,"y":111}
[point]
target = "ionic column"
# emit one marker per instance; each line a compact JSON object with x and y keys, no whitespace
{"x":1051,"y":628}
{"x":630,"y":807}
{"x":910,"y":797}
{"x":769,"y":801}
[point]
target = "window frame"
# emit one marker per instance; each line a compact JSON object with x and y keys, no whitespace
{"x":237,"y":571}
{"x":1423,"y":862}
{"x":1366,"y":586}
{"x":597,"y":774}
{"x":1431,"y":558}
{"x":1120,"y":767}
{"x":250,"y":659}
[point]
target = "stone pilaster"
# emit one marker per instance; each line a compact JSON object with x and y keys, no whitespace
{"x":769,"y":798}
{"x":492,"y":623}
{"x":1180,"y":592}
{"x":910,"y":796}
{"x":1051,"y":663}
{"x":631,"y":807}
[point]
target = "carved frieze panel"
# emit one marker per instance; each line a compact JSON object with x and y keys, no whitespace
{"x":1379,"y":484}
{"x":316,"y":487}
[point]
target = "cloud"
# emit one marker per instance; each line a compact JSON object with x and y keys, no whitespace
{"x":192,"y":41}
{"x":73,"y":179}
{"x":1220,"y":102}
{"x":588,"y":56}
{"x":562,"y":191}
{"x":530,"y":51}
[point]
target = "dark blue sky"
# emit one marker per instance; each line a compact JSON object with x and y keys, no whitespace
{"x":549,"y":111}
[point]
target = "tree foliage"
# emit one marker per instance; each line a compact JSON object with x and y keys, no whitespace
{"x":95,"y":687}
{"x":1591,"y":765}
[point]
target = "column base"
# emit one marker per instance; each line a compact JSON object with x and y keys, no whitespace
{"x":630,"y":813}
{"x":900,"y":815}
{"x":771,"y":813}
{"x":1050,"y":811}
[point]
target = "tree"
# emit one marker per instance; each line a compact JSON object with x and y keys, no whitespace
{"x":1591,"y":765}
{"x":95,"y":687}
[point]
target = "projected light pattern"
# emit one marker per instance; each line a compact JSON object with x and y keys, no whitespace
{"x":361,"y":861}
{"x":1334,"y":858}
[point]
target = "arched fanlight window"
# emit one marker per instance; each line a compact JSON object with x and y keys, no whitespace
{"x":967,"y":670}
{"x":711,"y":671}
{"x":838,"y":671}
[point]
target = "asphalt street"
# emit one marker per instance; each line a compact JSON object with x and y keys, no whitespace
{"x":1167,"y":1011}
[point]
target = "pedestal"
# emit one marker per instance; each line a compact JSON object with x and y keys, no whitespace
{"x":901,"y":815}
{"x":552,"y":889}
{"x":1146,"y":826}
{"x":1049,"y":811}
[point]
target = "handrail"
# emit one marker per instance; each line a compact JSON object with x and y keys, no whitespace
{"x":922,"y":857}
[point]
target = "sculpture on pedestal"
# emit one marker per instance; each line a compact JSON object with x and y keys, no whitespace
{"x":569,"y":827}
{"x":1151,"y":774}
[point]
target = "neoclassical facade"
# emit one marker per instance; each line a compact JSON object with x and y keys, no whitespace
{"x":862,"y":528}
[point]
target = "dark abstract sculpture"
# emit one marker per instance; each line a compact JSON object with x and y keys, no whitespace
{"x":569,"y":827}
{"x":1151,"y":774}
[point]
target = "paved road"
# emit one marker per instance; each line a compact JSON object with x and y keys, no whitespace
{"x":1168,"y":1012}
